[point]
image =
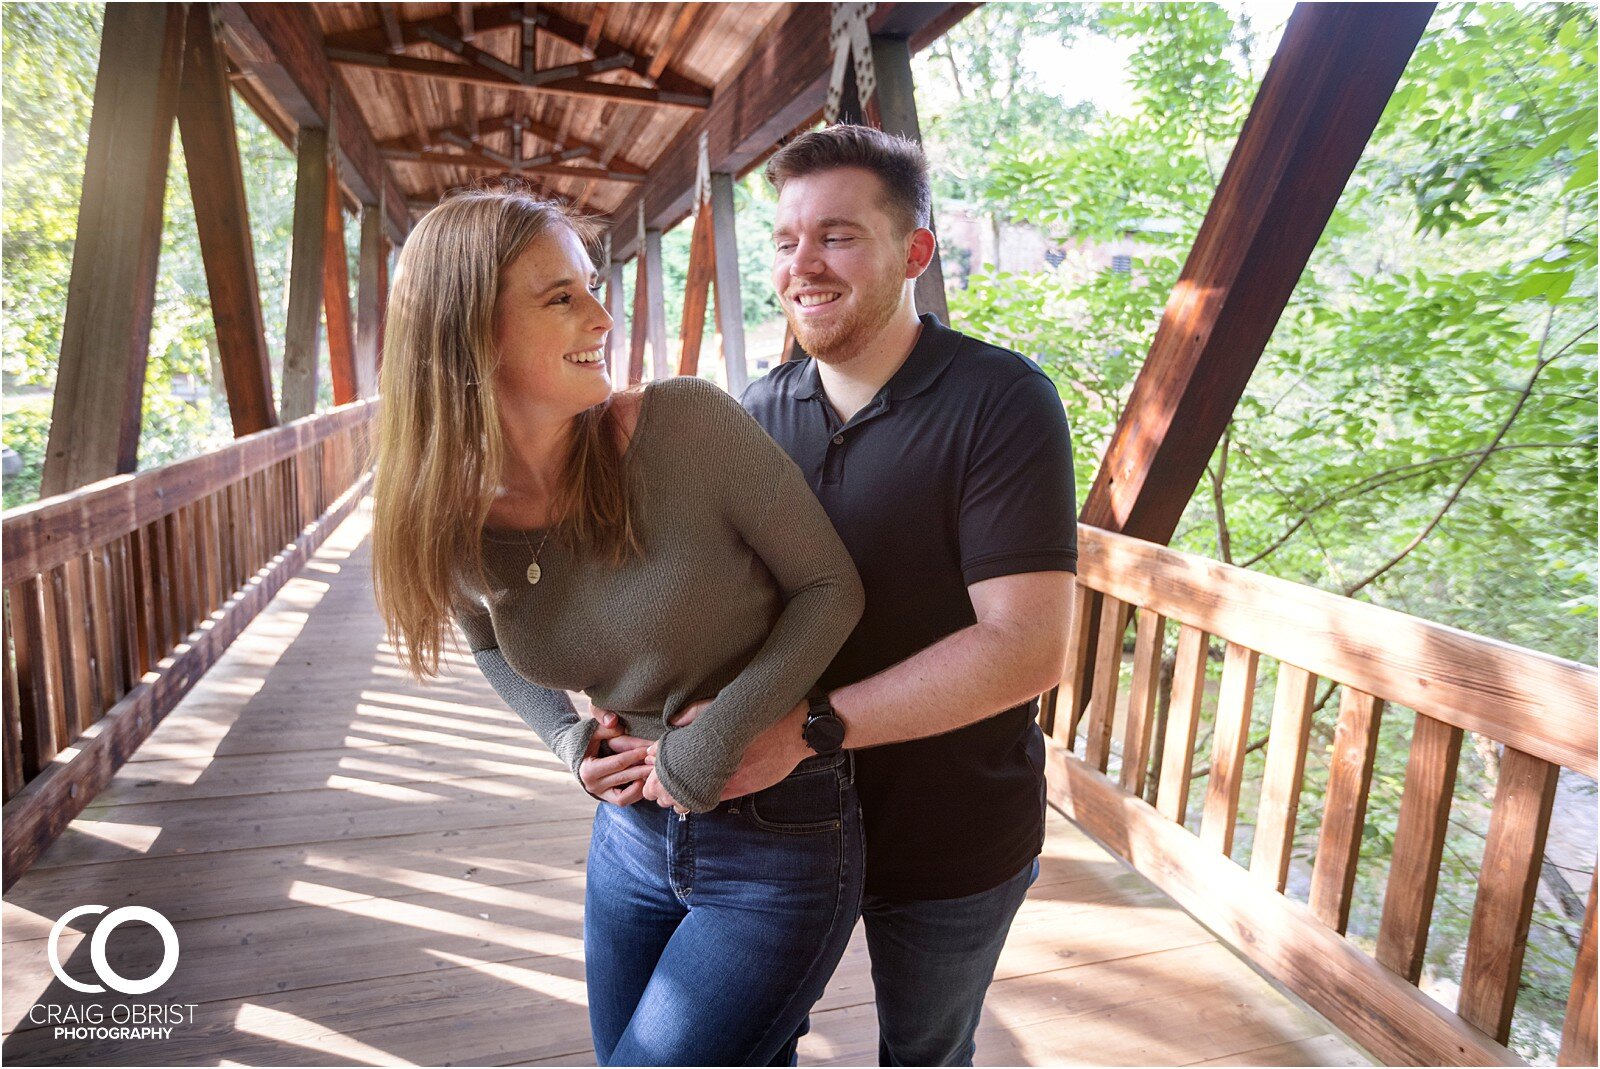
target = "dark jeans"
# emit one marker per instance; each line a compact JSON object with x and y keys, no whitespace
{"x":932,"y":962}
{"x":707,"y":938}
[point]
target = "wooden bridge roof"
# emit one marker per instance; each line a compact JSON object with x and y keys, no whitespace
{"x":593,"y":102}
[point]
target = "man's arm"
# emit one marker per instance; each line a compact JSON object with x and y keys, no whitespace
{"x":1016,"y":650}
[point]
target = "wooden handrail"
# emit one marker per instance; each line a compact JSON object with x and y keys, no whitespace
{"x":119,"y":595}
{"x":1541,"y":708}
{"x":40,"y":536}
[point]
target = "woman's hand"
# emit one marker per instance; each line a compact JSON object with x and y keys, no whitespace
{"x":619,"y":778}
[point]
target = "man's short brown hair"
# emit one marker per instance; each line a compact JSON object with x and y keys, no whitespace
{"x":897,"y":161}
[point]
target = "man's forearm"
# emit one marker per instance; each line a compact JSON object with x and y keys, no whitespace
{"x":965,"y":677}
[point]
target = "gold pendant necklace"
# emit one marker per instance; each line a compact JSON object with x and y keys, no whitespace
{"x":534,"y":571}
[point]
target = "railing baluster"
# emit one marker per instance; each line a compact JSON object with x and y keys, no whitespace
{"x":1183,"y":716}
{"x":1107,"y":676}
{"x":33,"y":677}
{"x":13,"y":704}
{"x":57,"y":643}
{"x":1578,"y":1034}
{"x":77,"y":642}
{"x":1148,"y":633}
{"x":101,"y":613}
{"x":1509,"y":877}
{"x":1418,"y":846}
{"x":1355,"y":744}
{"x":1285,"y":774}
{"x":1235,"y":699}
{"x":1070,"y":697}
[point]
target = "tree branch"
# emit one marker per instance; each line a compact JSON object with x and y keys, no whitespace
{"x":1505,"y":427}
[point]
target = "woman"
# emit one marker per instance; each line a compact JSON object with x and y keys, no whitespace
{"x":650,"y":548}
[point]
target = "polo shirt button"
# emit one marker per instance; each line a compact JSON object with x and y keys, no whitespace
{"x":838,"y":439}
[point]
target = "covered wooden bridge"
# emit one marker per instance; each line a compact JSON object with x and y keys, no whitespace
{"x":202,"y":715}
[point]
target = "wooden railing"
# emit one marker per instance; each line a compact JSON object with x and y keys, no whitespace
{"x":1542,"y":709}
{"x":119,"y":595}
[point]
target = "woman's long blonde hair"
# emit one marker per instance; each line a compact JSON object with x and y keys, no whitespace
{"x":440,"y":449}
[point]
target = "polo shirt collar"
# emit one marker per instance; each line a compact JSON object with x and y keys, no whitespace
{"x":935,"y":347}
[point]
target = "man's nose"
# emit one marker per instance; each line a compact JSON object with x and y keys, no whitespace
{"x":807,"y":259}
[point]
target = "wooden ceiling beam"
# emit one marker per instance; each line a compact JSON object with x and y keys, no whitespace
{"x":687,"y":13}
{"x":1320,"y":100}
{"x":483,"y":69}
{"x":500,"y":162}
{"x":488,"y":18}
{"x":282,"y":47}
{"x":539,"y":129}
{"x":782,"y":84}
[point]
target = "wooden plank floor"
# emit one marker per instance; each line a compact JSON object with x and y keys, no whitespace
{"x":361,"y":870}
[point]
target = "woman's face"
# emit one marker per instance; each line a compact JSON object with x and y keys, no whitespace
{"x":550,"y":328}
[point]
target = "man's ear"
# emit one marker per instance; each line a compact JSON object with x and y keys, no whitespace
{"x":921,"y":246}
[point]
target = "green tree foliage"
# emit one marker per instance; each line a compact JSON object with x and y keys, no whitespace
{"x":49,"y":56}
{"x":1420,"y":431}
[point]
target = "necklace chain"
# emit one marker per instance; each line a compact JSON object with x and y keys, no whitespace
{"x":534,"y":571}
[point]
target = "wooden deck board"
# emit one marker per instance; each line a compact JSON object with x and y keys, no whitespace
{"x":363,"y":870}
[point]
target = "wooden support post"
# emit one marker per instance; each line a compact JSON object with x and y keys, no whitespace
{"x":105,"y":337}
{"x":1322,"y":96}
{"x":655,"y":306}
{"x":696,"y":292}
{"x":216,"y":184}
{"x":641,"y":319}
{"x":302,"y":335}
{"x":730,"y":303}
{"x":897,"y":114}
{"x":616,"y":347}
{"x":369,"y":284}
{"x":336,"y":296}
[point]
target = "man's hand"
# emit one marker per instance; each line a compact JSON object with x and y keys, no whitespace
{"x":772,"y":755}
{"x":656,"y":791}
{"x":618,"y":779}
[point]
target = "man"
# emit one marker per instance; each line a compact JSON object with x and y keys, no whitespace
{"x":945,"y":465}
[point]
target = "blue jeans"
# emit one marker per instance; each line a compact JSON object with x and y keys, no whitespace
{"x":932,"y":962}
{"x":708,"y":937}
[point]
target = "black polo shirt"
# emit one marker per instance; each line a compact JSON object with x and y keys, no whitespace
{"x":959,"y":470}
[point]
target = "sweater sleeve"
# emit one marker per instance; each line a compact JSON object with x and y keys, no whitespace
{"x":767,"y":500}
{"x":548,"y":712}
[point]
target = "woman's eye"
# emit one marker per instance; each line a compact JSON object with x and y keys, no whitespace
{"x":596,"y":287}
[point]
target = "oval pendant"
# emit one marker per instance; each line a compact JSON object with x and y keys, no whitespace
{"x":534,"y":573}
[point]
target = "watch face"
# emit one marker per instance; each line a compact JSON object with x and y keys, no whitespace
{"x":825,"y":733}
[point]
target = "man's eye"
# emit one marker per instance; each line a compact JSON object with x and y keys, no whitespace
{"x":836,"y":239}
{"x":785,"y":246}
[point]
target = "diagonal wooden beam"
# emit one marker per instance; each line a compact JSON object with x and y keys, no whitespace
{"x":1333,"y":73}
{"x":569,"y":80}
{"x":676,"y":37}
{"x":105,"y":337}
{"x":222,"y":218}
{"x":697,"y":291}
{"x":442,"y":134}
{"x":489,"y":18}
{"x":282,"y":47}
{"x":597,"y":24}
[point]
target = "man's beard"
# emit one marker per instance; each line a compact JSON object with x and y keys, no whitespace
{"x":843,"y":336}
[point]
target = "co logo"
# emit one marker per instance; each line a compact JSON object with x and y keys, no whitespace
{"x":97,"y":950}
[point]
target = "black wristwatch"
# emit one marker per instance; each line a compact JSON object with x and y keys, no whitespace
{"x":824,"y":731}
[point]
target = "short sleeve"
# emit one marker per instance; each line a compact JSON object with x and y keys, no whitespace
{"x":1018,"y":510}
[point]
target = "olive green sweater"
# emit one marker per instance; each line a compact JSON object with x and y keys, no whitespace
{"x":743,"y":593}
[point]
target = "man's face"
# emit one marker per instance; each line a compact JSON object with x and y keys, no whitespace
{"x":841,"y":263}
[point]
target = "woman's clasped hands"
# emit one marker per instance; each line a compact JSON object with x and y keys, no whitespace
{"x":628,"y":773}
